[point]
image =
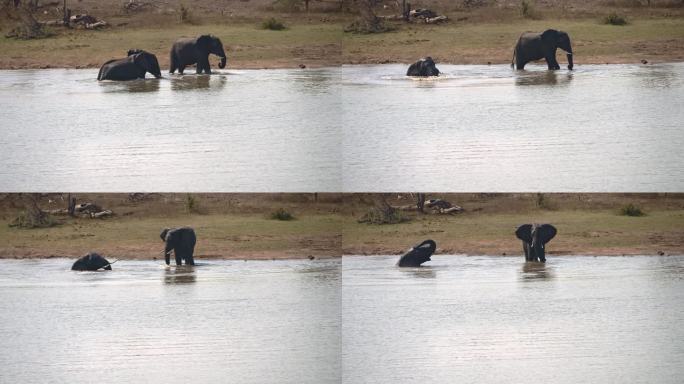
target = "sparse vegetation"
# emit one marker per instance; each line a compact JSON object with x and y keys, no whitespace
{"x":385,"y":215}
{"x":528,"y":11}
{"x":631,"y":210}
{"x":191,"y":204}
{"x":36,"y":219}
{"x":542,"y":201}
{"x":185,"y":15}
{"x":615,"y":19}
{"x":282,"y":215}
{"x":273,"y":25}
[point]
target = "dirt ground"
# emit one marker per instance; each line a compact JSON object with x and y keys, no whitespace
{"x":479,"y":32}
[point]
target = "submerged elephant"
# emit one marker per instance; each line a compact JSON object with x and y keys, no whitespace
{"x":533,"y":46}
{"x":182,"y":242}
{"x":134,"y":66}
{"x":418,"y":254}
{"x":91,"y":262}
{"x":534,"y":238}
{"x":188,"y":51}
{"x":423,"y":67}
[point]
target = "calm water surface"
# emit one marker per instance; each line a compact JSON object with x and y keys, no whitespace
{"x":488,"y":128}
{"x":355,"y":128}
{"x":221,"y":322}
{"x":497,"y":320}
{"x":258,"y":130}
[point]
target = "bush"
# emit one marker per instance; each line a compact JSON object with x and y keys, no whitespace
{"x":273,"y":25}
{"x":30,"y":220}
{"x":631,"y":210}
{"x":615,"y":19}
{"x":282,"y":215}
{"x":527,"y":10}
{"x":379,"y":216}
{"x":190,"y":203}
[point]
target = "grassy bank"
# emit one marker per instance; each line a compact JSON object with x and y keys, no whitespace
{"x":473,"y":34}
{"x":227,"y":227}
{"x":587,"y":224}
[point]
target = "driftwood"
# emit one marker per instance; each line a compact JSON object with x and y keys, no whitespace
{"x":435,"y":206}
{"x":84,"y":210}
{"x":419,"y":15}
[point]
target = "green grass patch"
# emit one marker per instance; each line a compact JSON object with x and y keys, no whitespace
{"x":282,"y":215}
{"x":631,"y":210}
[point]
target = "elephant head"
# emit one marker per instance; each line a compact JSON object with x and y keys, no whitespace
{"x":423,"y":67}
{"x":534,"y":238}
{"x":163,"y":233}
{"x":212,"y":44}
{"x":418,"y":254}
{"x":145,"y":60}
{"x":91,"y":262}
{"x":558,"y":39}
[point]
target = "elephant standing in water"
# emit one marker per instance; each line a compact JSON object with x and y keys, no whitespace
{"x":533,"y":46}
{"x":424,"y":67}
{"x":534,"y":238}
{"x":182,"y":242}
{"x":189,"y":51}
{"x":134,"y":66}
{"x":91,"y":262}
{"x":418,"y":254}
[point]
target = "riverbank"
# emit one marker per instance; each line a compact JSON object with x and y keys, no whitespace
{"x":228,"y":226}
{"x":315,"y":43}
{"x":588,"y":224}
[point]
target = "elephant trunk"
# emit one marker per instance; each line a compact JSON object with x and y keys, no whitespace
{"x":222,"y":63}
{"x":569,"y":56}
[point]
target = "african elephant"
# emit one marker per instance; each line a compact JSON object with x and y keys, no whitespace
{"x":188,"y":51}
{"x":423,"y":67}
{"x":91,"y":262}
{"x":534,"y":238}
{"x":533,"y":46}
{"x":134,"y":66}
{"x":418,"y":254}
{"x":182,"y":242}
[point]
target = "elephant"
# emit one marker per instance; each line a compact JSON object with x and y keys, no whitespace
{"x":188,"y":51}
{"x":134,"y":66}
{"x":533,"y":46}
{"x":182,"y":241}
{"x":418,"y":254}
{"x":534,"y":238}
{"x":424,"y":67}
{"x":91,"y":262}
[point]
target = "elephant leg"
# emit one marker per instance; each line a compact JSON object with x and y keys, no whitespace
{"x":520,"y":64}
{"x":179,"y":256}
{"x":552,"y":63}
{"x":526,"y":250}
{"x":181,"y":68}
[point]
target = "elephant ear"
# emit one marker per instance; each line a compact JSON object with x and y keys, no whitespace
{"x":204,"y":41}
{"x":546,"y":232}
{"x":550,"y":36}
{"x":524,"y":233}
{"x":163,"y":234}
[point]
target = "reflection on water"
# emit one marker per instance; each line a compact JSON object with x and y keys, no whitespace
{"x":179,"y":133}
{"x":493,"y":129}
{"x":532,"y":270}
{"x":420,"y":272}
{"x":180,"y":275}
{"x":143,"y":322}
{"x":482,"y":320}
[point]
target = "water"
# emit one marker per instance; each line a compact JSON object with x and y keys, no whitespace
{"x":495,"y":320}
{"x":242,"y":131}
{"x":600,"y":128}
{"x":223,"y":321}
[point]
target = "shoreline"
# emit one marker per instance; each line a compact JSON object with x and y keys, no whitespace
{"x":278,"y":65}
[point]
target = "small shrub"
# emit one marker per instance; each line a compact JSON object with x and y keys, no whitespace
{"x":186,"y":15}
{"x":29,"y":220}
{"x":615,"y":19}
{"x":631,"y":210}
{"x":282,"y":215}
{"x":190,"y":203}
{"x":527,"y":10}
{"x":273,"y":25}
{"x":379,"y":216}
